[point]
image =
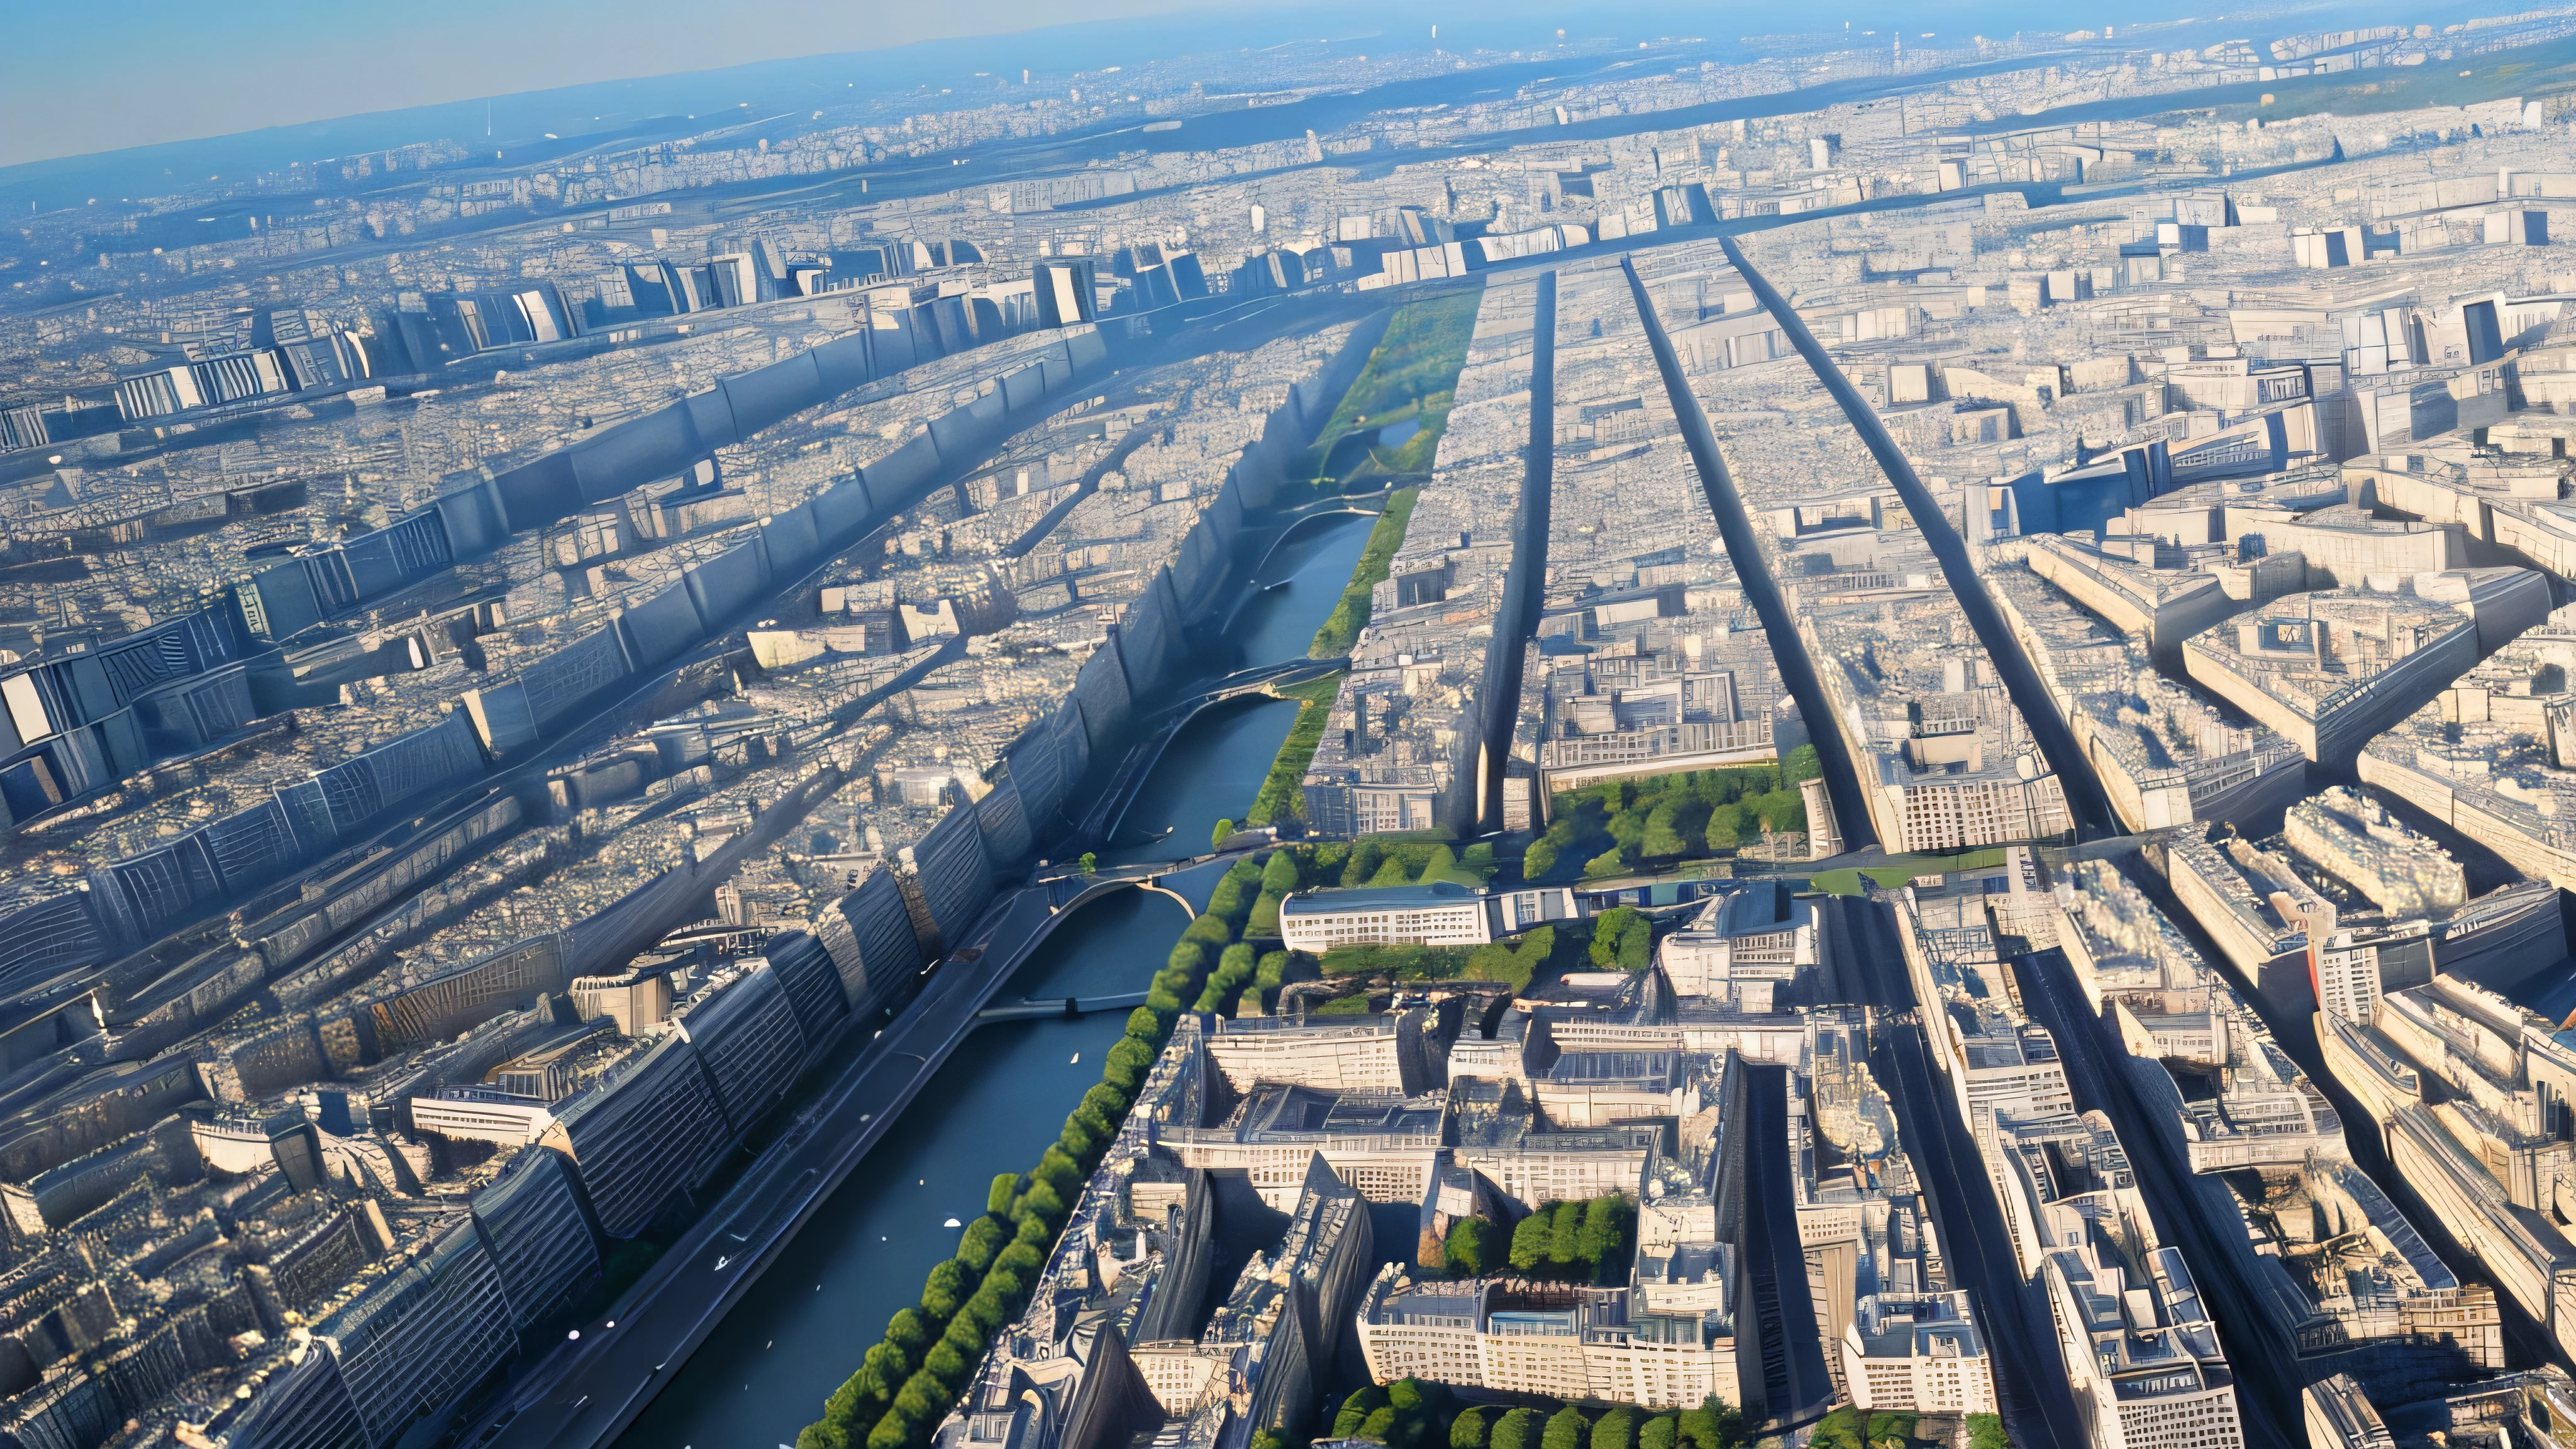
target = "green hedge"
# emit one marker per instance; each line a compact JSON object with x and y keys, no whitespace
{"x":1351,"y":612}
{"x":1585,"y":1242}
{"x":1715,"y":1424}
{"x":1282,"y":795}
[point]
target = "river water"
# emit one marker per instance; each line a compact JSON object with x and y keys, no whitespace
{"x":764,"y":1373}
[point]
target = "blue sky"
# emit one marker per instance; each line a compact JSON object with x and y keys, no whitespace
{"x":82,"y":78}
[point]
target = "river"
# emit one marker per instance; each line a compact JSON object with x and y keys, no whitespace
{"x":764,"y":1373}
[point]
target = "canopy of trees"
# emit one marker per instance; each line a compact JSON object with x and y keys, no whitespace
{"x":1618,"y":826}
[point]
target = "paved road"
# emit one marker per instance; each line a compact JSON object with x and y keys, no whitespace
{"x":584,"y":1394}
{"x":2021,"y":1339}
{"x":1753,"y":572}
{"x":2085,"y":800}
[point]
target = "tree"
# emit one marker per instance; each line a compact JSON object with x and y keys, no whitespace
{"x":1380,"y":1425}
{"x":1566,"y":1429}
{"x":948,"y":1363}
{"x":983,"y":1238}
{"x":922,"y":1399}
{"x":1890,"y":1431}
{"x":1986,"y":1431}
{"x":944,"y":1289}
{"x":1078,"y":1139}
{"x":1467,"y":1431}
{"x":1366,"y":857}
{"x":1565,"y":1234}
{"x":1607,"y":930}
{"x":1663,"y":831}
{"x":1128,"y":1063}
{"x":965,"y":1336}
{"x":1443,"y":865}
{"x":1518,"y":1429}
{"x":1042,"y":1201}
{"x":1840,"y":1429}
{"x":1529,"y":1243}
{"x":1616,"y":1429}
{"x":1391,"y":872}
{"x":1539,"y":859}
{"x":1637,"y":948}
{"x":1363,"y":1402}
{"x":1784,"y":811}
{"x":1715,"y":1424}
{"x":1470,"y":1248}
{"x":1279,"y":875}
{"x":1660,"y":1432}
{"x":1414,"y":1408}
{"x":890,"y":1364}
{"x":1223,"y":832}
{"x":1598,"y":1238}
{"x":997,"y":1198}
{"x":1607,"y":863}
{"x":1058,"y":1170}
{"x":989,"y":1305}
{"x":907,"y":1330}
{"x":1089,"y":864}
{"x":1725,"y":829}
{"x":1231,"y":898}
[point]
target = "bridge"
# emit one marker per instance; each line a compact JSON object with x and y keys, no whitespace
{"x":1042,"y":1008}
{"x":1101,"y":822}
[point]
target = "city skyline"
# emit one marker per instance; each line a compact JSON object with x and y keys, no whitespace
{"x":1527,"y":740}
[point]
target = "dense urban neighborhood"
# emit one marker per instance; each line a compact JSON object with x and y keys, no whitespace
{"x":1833,"y":741}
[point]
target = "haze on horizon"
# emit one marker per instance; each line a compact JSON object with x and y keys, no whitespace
{"x":76,"y":82}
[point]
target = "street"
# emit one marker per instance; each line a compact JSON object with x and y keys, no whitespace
{"x":586,"y":1391}
{"x":2267,"y":1401}
{"x":2021,"y":1341}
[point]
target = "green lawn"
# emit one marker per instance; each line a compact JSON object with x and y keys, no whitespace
{"x":1351,"y":613}
{"x":1281,"y":796}
{"x":1413,"y":373}
{"x":1903,"y":868}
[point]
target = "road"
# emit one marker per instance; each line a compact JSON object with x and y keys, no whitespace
{"x":2085,"y":801}
{"x":585,"y":1393}
{"x":2021,"y":1339}
{"x":2267,"y":1398}
{"x":1753,"y":572}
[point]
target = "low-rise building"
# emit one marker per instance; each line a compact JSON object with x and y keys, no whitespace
{"x":1570,"y":1344}
{"x":1922,"y":1355}
{"x":1443,"y":913}
{"x":2327,"y":671}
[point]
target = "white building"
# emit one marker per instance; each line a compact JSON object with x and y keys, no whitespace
{"x":1592,"y":1348}
{"x":1443,"y":913}
{"x":1743,"y":946}
{"x":1918,"y":1354}
{"x":481,"y":1114}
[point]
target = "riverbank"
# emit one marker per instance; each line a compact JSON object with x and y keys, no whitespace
{"x":790,"y":1339}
